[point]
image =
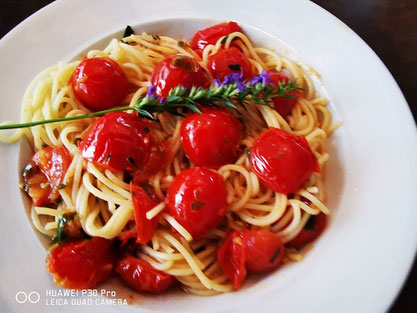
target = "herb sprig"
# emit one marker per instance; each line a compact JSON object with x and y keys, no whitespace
{"x":60,"y":234}
{"x":231,"y":92}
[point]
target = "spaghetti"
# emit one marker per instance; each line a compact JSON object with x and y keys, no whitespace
{"x":100,"y":199}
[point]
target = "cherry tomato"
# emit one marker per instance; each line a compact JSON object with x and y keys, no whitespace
{"x":142,"y":203}
{"x":142,"y":276}
{"x":211,"y":139}
{"x":283,"y":105}
{"x":178,"y":70}
{"x":81,"y":264}
{"x":53,"y":161}
{"x":36,"y":184}
{"x":120,"y":141}
{"x":264,"y":250}
{"x":314,"y":227}
{"x":232,"y":257}
{"x":45,"y":174}
{"x":99,"y":83}
{"x":229,"y":61}
{"x":210,"y":35}
{"x":197,"y":200}
{"x":282,"y":161}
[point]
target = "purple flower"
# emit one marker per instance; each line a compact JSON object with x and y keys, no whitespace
{"x":216,"y":82}
{"x":262,"y":78}
{"x":162,"y":100}
{"x":240,"y":86}
{"x":151,"y":92}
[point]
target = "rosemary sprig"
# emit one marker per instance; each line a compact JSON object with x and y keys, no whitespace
{"x":230,"y":92}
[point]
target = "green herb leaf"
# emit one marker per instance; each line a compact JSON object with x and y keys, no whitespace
{"x":235,"y":67}
{"x":128,"y":31}
{"x":197,"y":205}
{"x":156,"y":37}
{"x":224,"y":39}
{"x":61,"y":186}
{"x":60,"y":234}
{"x":77,"y":140}
{"x":275,"y":255}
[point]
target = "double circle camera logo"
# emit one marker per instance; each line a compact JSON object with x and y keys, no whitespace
{"x":23,"y":297}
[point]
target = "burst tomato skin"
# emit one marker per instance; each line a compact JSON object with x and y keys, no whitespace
{"x":314,"y":227}
{"x":197,"y":200}
{"x":282,"y":161}
{"x":257,"y":251}
{"x":82,"y":264}
{"x":119,"y":141}
{"x":142,"y":276}
{"x":232,"y":257}
{"x":142,"y":203}
{"x":283,"y":105}
{"x":178,"y":70}
{"x":99,"y":83}
{"x":210,"y":35}
{"x":211,"y":139}
{"x":229,"y":61}
{"x":45,"y":172}
{"x":53,"y":161}
{"x":264,"y":250}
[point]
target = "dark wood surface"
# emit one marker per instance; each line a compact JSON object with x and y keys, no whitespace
{"x":388,"y":26}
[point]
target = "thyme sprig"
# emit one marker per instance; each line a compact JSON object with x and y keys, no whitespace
{"x":231,"y":92}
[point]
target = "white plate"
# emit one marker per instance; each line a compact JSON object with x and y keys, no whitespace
{"x":359,"y":263}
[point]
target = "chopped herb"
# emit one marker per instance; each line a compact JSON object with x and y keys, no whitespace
{"x":182,"y":44}
{"x":60,"y":234}
{"x":248,"y":153}
{"x":61,"y":186}
{"x":275,"y":255}
{"x":235,"y":38}
{"x":131,"y":161}
{"x":224,"y":39}
{"x":185,"y":63}
{"x":128,"y":31}
{"x":197,"y":205}
{"x":235,"y":67}
{"x":155,"y":37}
{"x":108,"y":158}
{"x":76,"y":141}
{"x":311,"y":223}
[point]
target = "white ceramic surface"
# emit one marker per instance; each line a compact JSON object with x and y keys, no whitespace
{"x":359,"y":263}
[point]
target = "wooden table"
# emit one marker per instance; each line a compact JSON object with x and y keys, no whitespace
{"x":388,"y":26}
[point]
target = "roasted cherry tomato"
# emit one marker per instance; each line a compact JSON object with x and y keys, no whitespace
{"x":120,"y":141}
{"x":197,"y":200}
{"x":232,"y":258}
{"x":314,"y":227}
{"x":282,"y":161}
{"x":264,"y":250}
{"x":211,"y":139}
{"x":142,"y":203}
{"x":178,"y":70}
{"x":229,"y":61}
{"x":142,"y":276}
{"x":210,"y":35}
{"x":82,"y":264}
{"x":283,"y":105}
{"x":99,"y":83}
{"x":36,"y":184}
{"x":44,"y":175}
